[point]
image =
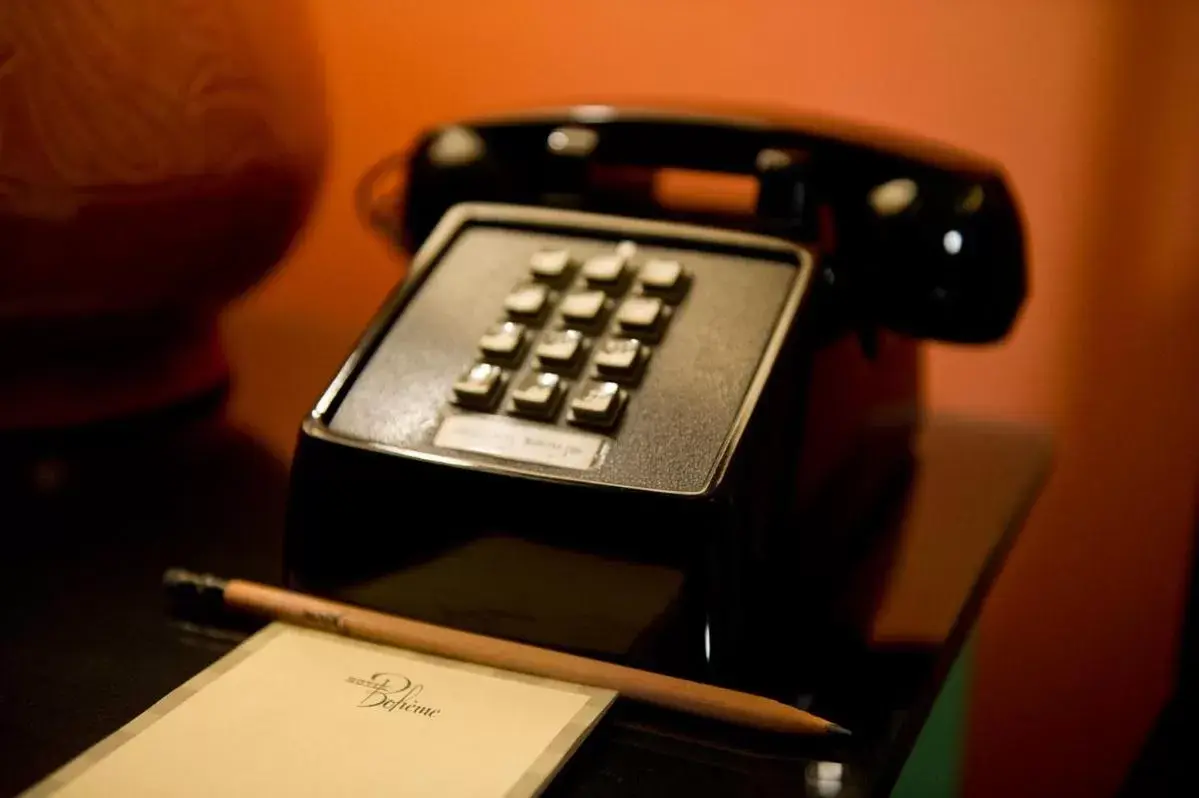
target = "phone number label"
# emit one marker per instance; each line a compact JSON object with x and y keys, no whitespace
{"x":512,"y":440}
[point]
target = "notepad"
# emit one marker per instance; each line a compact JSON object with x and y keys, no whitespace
{"x":296,"y":712}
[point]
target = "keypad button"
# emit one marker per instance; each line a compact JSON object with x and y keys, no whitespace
{"x":538,"y":394}
{"x":550,"y":264}
{"x":605,"y":270}
{"x":641,"y":314}
{"x":620,"y":358}
{"x":598,"y":404}
{"x":584,"y":307}
{"x":559,"y":349}
{"x":659,"y":276}
{"x":527,"y":301}
{"x":480,"y":386}
{"x":503,"y":341}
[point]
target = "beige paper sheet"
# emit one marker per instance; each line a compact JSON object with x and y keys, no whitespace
{"x":294,"y":712}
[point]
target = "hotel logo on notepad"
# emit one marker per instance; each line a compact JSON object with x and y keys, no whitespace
{"x":393,"y":692}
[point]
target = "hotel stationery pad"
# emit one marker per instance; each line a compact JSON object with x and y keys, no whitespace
{"x":299,"y":712}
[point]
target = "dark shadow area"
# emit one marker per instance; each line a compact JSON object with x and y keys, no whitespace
{"x":92,"y":517}
{"x":1165,"y":764}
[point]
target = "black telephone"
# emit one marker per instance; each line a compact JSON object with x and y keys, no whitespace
{"x":580,"y":378}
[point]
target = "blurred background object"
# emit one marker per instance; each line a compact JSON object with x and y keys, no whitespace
{"x":156,"y":159}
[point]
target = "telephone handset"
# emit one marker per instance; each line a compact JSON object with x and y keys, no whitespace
{"x":913,"y":236}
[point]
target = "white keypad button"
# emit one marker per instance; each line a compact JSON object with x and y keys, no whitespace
{"x":479,"y":387}
{"x":640,"y":313}
{"x":597,"y":404}
{"x":527,"y":301}
{"x":661,"y":275}
{"x":606,"y":269}
{"x":550,"y":264}
{"x":538,"y":394}
{"x":584,"y":307}
{"x":559,"y":348}
{"x":503,"y":341}
{"x":619,"y":357}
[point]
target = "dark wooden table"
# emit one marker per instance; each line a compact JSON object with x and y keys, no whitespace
{"x":91,"y":520}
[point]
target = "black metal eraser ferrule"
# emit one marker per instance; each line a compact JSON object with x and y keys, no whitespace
{"x":194,"y":596}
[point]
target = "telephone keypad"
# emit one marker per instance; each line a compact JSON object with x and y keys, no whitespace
{"x":678,"y":402}
{"x":603,"y":315}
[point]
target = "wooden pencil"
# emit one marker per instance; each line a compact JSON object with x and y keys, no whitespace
{"x":344,"y":619}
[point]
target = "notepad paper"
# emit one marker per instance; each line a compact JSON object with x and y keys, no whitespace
{"x":295,"y":712}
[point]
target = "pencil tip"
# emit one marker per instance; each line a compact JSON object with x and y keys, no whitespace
{"x":833,"y":728}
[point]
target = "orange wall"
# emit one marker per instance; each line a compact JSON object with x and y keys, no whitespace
{"x":1091,"y":107}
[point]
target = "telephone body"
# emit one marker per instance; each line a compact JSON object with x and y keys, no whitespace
{"x":589,"y":416}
